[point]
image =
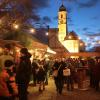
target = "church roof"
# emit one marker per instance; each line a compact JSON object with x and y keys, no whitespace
{"x":71,"y":36}
{"x":54,"y":43}
{"x":62,"y":8}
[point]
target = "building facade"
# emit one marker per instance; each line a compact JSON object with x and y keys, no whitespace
{"x":60,"y":39}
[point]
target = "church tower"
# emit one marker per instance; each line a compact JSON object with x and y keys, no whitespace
{"x":62,"y":23}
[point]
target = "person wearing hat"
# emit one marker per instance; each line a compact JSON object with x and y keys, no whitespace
{"x":8,"y":87}
{"x":23,"y":73}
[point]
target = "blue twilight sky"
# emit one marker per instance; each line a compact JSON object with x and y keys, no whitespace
{"x":83,"y":17}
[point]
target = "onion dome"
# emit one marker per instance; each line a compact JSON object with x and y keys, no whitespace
{"x":62,"y":8}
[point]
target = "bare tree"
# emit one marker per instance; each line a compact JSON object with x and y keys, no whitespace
{"x":14,"y":12}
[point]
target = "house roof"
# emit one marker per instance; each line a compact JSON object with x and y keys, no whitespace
{"x":71,"y":36}
{"x":12,"y":42}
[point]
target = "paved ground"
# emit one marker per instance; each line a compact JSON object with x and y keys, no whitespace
{"x":51,"y":94}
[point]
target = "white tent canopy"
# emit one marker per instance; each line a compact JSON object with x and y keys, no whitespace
{"x":49,"y":50}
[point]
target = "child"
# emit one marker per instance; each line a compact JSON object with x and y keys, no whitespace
{"x":8,"y":87}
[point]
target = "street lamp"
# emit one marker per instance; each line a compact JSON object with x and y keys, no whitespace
{"x":32,"y":30}
{"x":16,"y":26}
{"x":69,"y":37}
{"x":46,"y":33}
{"x":79,"y":38}
{"x":81,"y":44}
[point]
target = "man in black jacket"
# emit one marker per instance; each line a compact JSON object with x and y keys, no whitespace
{"x":23,"y":73}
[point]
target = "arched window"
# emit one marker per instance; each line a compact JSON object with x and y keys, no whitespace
{"x":61,"y":16}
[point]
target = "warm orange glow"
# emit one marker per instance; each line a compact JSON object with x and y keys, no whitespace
{"x":79,"y":38}
{"x":62,"y":24}
{"x":46,"y":33}
{"x":1,"y":50}
{"x":32,"y":30}
{"x":50,"y":51}
{"x":16,"y":26}
{"x":69,"y":37}
{"x":0,"y":21}
{"x":99,"y":42}
{"x":81,"y":44}
{"x":71,"y":45}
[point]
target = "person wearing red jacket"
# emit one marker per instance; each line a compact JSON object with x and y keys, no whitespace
{"x":8,"y":87}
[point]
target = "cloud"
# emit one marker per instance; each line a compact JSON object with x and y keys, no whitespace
{"x":41,"y":22}
{"x":85,"y":29}
{"x":88,"y":4}
{"x":46,"y":19}
{"x":96,"y":18}
{"x":35,"y":4}
{"x":88,"y":33}
{"x":96,"y":34}
{"x":38,"y":4}
{"x":70,"y":0}
{"x":36,"y":17}
{"x":92,"y":35}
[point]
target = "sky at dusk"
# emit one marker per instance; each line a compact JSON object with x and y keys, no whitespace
{"x":83,"y":16}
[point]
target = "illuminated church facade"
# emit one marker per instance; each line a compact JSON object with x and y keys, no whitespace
{"x":59,"y":39}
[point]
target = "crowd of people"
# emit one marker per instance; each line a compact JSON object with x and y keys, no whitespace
{"x":67,"y":72}
{"x":16,"y":75}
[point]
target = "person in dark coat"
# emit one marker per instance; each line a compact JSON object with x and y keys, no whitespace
{"x":70,"y":81}
{"x":55,"y":68}
{"x":34,"y":71}
{"x":23,"y":73}
{"x":91,"y":65}
{"x":41,"y":78}
{"x":46,"y":68}
{"x":96,"y":74}
{"x":60,"y":77}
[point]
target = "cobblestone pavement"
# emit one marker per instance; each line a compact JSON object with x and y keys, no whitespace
{"x":51,"y":94}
